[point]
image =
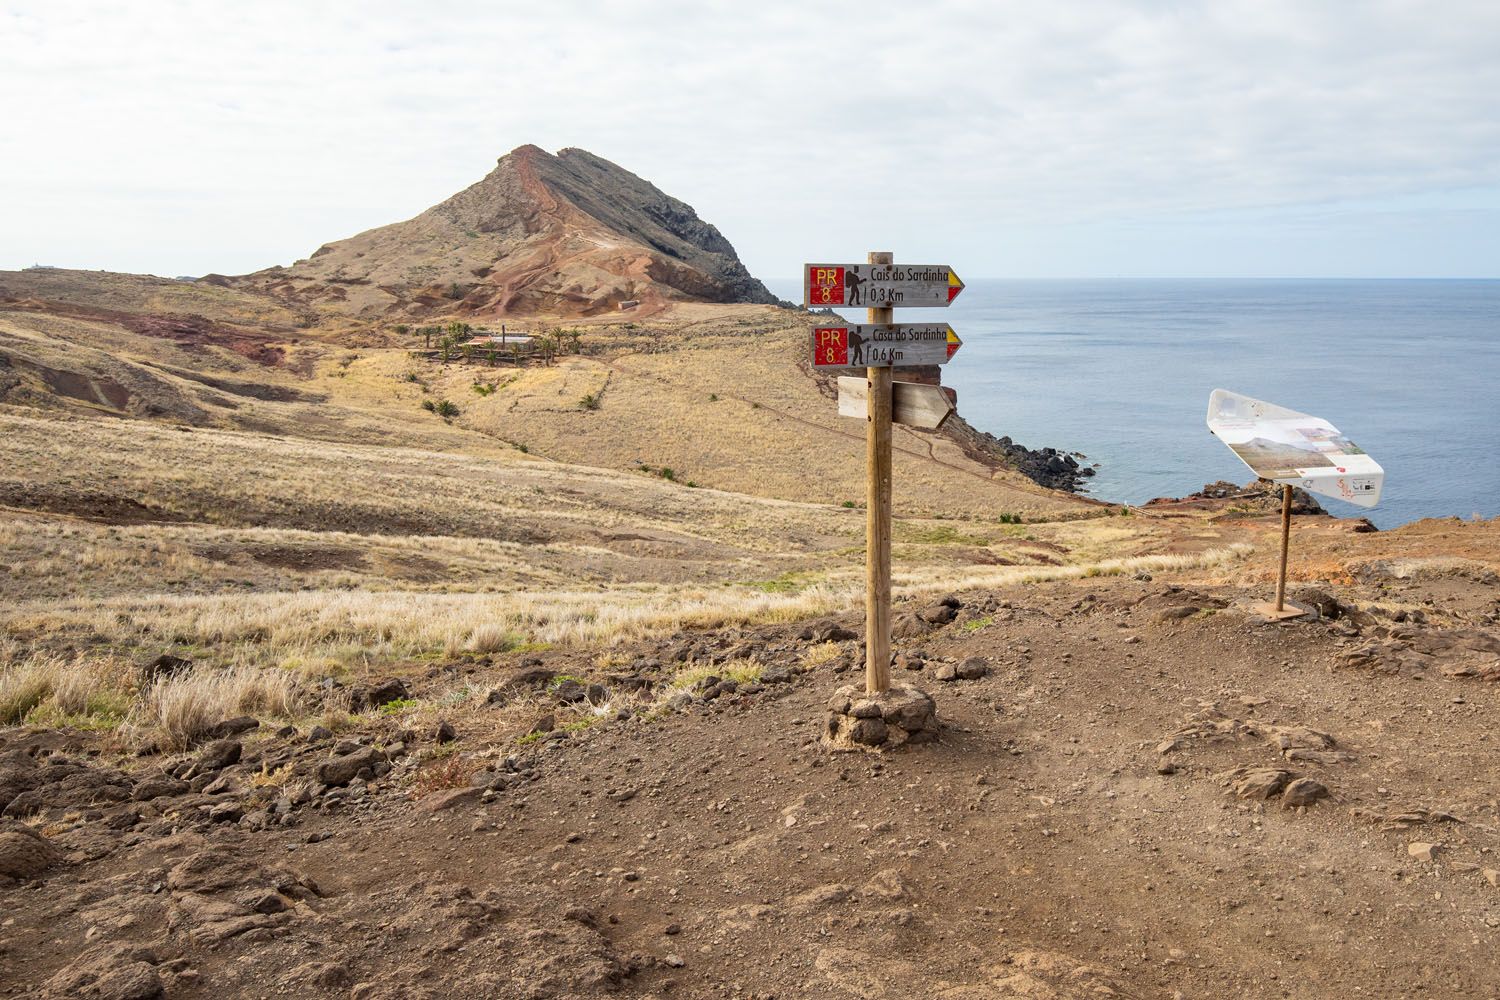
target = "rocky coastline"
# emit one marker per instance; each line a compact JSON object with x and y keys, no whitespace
{"x":1049,"y":467}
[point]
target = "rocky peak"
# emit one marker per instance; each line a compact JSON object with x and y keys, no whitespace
{"x":564,"y":234}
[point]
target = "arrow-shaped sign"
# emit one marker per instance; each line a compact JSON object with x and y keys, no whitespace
{"x":884,"y":345}
{"x":914,"y":404}
{"x":879,"y":286}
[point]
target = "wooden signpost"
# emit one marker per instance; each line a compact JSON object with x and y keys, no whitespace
{"x":879,"y":346}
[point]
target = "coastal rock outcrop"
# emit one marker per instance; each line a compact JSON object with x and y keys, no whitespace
{"x":1255,"y":496}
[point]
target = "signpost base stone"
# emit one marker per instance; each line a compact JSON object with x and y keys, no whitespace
{"x":901,"y":714}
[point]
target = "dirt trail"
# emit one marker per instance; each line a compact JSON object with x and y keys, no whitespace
{"x":1089,"y":821}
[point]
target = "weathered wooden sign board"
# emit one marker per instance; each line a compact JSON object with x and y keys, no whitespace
{"x":913,"y":404}
{"x":884,"y":345}
{"x":879,"y":286}
{"x":1293,"y":449}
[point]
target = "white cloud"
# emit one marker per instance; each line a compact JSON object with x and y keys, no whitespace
{"x":191,"y":136}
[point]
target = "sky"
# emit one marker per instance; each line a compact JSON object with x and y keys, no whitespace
{"x":1249,"y":138}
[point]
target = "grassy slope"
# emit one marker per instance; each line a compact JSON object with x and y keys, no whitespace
{"x":171,"y":491}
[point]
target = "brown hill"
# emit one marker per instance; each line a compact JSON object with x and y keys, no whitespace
{"x":564,"y":235}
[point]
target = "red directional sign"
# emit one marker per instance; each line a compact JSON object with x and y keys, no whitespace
{"x":879,"y":286}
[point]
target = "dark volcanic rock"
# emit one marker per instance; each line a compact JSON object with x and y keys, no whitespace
{"x":218,"y":755}
{"x":1049,"y":467}
{"x":344,"y":769}
{"x":383,"y":693}
{"x":233,"y":727}
{"x":827,"y":631}
{"x":25,"y":853}
{"x":1255,"y":496}
{"x":155,"y":785}
{"x":164,"y":666}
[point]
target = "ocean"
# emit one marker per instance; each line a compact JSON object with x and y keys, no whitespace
{"x":1121,"y":371}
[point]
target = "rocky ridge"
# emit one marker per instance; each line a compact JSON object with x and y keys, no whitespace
{"x":570,"y":234}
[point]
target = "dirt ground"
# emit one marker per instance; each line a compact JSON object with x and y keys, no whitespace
{"x":1092,"y":822}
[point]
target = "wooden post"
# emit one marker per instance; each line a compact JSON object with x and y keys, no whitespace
{"x":878,"y":516}
{"x":1286,"y":538}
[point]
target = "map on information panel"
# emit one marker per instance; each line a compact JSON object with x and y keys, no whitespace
{"x":1290,"y":447}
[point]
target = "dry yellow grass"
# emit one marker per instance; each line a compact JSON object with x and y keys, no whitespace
{"x":358,"y":629}
{"x":24,"y":686}
{"x":823,"y":652}
{"x":728,"y":404}
{"x":771,"y":431}
{"x":315,"y":520}
{"x":177,"y":712}
{"x":691,"y":674}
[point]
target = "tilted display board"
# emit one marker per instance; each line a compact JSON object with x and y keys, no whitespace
{"x":1294,"y":448}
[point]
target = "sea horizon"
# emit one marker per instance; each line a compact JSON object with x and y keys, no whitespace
{"x":1125,"y":367}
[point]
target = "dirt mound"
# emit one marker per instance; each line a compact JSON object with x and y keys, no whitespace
{"x":571,"y":234}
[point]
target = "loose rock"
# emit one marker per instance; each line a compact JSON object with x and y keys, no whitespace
{"x":1261,"y":784}
{"x":1303,"y":792}
{"x":1423,"y":851}
{"x":26,"y":854}
{"x":218,"y":755}
{"x":973,"y":668}
{"x":342,"y":770}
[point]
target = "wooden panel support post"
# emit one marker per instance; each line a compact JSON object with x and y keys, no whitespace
{"x":1286,"y":538}
{"x":878,"y":517}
